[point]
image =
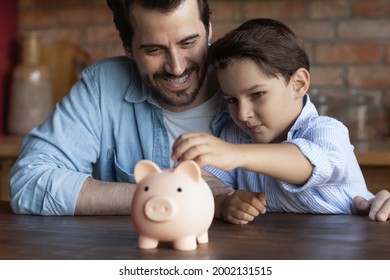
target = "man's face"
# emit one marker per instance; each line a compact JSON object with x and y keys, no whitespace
{"x":170,"y":53}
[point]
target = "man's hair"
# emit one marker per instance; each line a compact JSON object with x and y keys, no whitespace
{"x":270,"y":43}
{"x":121,"y":12}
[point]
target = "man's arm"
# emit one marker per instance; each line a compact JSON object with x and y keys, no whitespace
{"x":108,"y":198}
{"x":104,"y":198}
{"x":216,"y":185}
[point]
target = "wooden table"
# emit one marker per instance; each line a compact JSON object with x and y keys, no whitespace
{"x":272,"y":236}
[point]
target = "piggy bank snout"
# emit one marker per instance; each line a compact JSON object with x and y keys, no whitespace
{"x":160,"y":209}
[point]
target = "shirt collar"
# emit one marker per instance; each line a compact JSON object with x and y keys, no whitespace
{"x":304,"y":117}
{"x":137,"y":90}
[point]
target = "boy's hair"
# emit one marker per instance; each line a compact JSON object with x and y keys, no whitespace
{"x":270,"y":43}
{"x":121,"y":12}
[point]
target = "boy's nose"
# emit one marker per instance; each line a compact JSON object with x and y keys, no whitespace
{"x":244,"y":113}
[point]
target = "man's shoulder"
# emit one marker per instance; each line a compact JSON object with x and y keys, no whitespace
{"x":119,"y":72}
{"x":118,"y":67}
{"x":111,"y":63}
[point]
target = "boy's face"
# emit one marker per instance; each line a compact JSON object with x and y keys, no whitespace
{"x":263,"y":107}
{"x":170,"y":53}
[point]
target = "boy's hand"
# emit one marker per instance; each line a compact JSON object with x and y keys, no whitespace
{"x":242,"y":207}
{"x":205,"y":149}
{"x":377,"y":208}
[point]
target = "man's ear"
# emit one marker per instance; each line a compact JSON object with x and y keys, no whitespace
{"x":300,"y":81}
{"x":210,"y":33}
{"x":128,"y":53}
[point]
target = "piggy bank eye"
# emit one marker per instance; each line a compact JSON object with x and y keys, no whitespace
{"x":146,"y":188}
{"x":179,"y":189}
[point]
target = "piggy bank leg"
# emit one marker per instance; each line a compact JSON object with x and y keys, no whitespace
{"x":185,"y":244}
{"x":203,"y":238}
{"x":147,"y":243}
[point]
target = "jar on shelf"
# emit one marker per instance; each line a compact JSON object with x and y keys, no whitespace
{"x":327,"y":104}
{"x":31,"y":99}
{"x":320,"y":101}
{"x":366,"y":120}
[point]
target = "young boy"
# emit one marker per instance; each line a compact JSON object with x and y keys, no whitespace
{"x":277,"y":144}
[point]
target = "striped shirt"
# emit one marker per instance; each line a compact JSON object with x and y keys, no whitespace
{"x":336,"y":178}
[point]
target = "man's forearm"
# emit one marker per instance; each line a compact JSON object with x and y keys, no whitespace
{"x":216,"y":185}
{"x":104,"y":198}
{"x":220,"y":192}
{"x":111,"y":198}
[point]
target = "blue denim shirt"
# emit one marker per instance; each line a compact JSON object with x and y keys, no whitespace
{"x":107,"y":123}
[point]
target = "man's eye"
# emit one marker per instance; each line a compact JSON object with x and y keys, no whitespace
{"x":153,"y":51}
{"x":231,"y":101}
{"x":189,"y":44}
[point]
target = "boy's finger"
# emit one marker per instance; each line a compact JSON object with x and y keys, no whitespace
{"x":261,"y":197}
{"x":360,"y":205}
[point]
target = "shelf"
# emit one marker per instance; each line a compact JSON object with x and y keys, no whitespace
{"x":373,"y":153}
{"x":10,"y":146}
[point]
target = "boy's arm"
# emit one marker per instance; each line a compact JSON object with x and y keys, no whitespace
{"x":281,"y":161}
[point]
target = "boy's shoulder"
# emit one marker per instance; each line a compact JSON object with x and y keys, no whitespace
{"x":232,"y":133}
{"x":310,"y":119}
{"x":325,"y":121}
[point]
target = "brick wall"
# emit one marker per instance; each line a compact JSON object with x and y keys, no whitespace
{"x":348,"y":40}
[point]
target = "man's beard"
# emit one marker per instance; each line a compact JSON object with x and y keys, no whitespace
{"x":177,"y":98}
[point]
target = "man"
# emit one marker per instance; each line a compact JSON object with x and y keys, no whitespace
{"x":81,"y":160}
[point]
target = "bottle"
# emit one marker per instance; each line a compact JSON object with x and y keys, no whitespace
{"x":366,"y":119}
{"x":320,"y":101}
{"x":31,"y":99}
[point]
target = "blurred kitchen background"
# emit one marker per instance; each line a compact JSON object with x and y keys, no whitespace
{"x":348,"y":42}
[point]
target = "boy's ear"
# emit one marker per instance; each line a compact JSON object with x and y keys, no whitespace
{"x":300,"y":81}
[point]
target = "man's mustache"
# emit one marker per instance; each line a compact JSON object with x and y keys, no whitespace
{"x":166,"y":75}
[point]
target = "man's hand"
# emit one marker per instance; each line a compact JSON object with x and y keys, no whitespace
{"x":377,"y":208}
{"x":216,"y":185}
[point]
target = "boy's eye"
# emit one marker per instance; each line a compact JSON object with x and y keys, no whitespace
{"x":257,"y":95}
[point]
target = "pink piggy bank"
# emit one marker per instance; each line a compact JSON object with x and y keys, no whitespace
{"x":174,"y":205}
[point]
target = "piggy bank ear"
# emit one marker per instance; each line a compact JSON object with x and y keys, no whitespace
{"x":145,"y":168}
{"x":190,"y":168}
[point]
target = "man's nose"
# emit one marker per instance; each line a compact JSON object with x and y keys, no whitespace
{"x":176,"y":63}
